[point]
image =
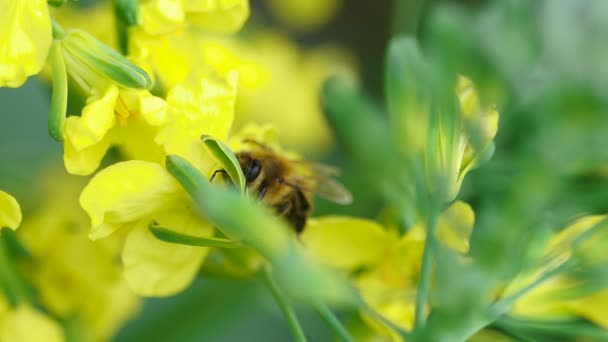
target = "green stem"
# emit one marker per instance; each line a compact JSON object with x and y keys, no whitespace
{"x":59,"y":98}
{"x":387,"y":323}
{"x":425,"y":273}
{"x":287,"y":310}
{"x":333,"y":321}
{"x":406,"y":16}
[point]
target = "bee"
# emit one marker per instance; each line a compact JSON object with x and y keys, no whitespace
{"x":288,"y":185}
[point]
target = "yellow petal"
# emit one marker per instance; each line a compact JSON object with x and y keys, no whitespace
{"x":593,"y":308}
{"x":194,"y":110}
{"x":223,"y":16}
{"x":345,"y":242}
{"x":96,"y":120}
{"x":10,"y":212}
{"x":157,"y":268}
{"x":26,"y":324}
{"x":84,"y":161}
{"x":160,"y":16}
{"x":125,"y":193}
{"x":455,"y":226}
{"x":25,"y":39}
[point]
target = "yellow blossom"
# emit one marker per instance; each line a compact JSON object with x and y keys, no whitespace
{"x":128,"y":118}
{"x":565,"y":296}
{"x":484,"y":120}
{"x":25,"y":40}
{"x":129,"y":196}
{"x":82,"y":278}
{"x":164,"y":16}
{"x":24,"y":324}
{"x":10,"y":212}
{"x":384,"y":267}
{"x":268,"y":64}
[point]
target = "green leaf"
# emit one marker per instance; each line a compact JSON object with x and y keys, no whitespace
{"x":227,"y":160}
{"x":59,"y":99}
{"x":171,"y":236}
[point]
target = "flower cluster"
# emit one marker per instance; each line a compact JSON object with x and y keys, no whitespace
{"x":183,"y":146}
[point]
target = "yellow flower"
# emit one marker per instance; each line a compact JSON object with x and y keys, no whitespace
{"x":484,"y":120}
{"x":10,"y":212}
{"x":130,"y":196}
{"x":305,"y":15}
{"x":384,"y":266}
{"x":24,"y":324}
{"x":164,"y":16}
{"x":565,"y":296}
{"x":267,"y":64}
{"x":25,"y":40}
{"x":128,"y":118}
{"x":74,"y":276}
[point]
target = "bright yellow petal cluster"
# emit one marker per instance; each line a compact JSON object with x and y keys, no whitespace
{"x":10,"y":212}
{"x":72,"y":275}
{"x":268,"y":64}
{"x":130,"y":196}
{"x":25,"y":40}
{"x":387,"y":265}
{"x":164,"y":16}
{"x":564,"y":296}
{"x":24,"y":324}
{"x":127,"y":118}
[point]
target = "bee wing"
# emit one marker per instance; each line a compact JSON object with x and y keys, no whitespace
{"x":321,"y":170}
{"x":322,"y":183}
{"x":332,"y":190}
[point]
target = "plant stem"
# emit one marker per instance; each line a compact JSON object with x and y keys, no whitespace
{"x":387,"y":323}
{"x":406,"y":16}
{"x":333,"y":321}
{"x":287,"y":310}
{"x":425,"y":273}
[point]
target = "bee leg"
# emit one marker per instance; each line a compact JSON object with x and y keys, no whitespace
{"x":282,"y":208}
{"x":223,"y":173}
{"x":262,"y":192}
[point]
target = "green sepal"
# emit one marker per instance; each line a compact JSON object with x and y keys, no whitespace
{"x":59,"y":99}
{"x":227,"y":160}
{"x":171,"y":236}
{"x":101,"y":57}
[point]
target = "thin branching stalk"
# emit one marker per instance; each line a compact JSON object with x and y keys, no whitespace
{"x":425,"y":273}
{"x":330,"y":318}
{"x":286,"y":309}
